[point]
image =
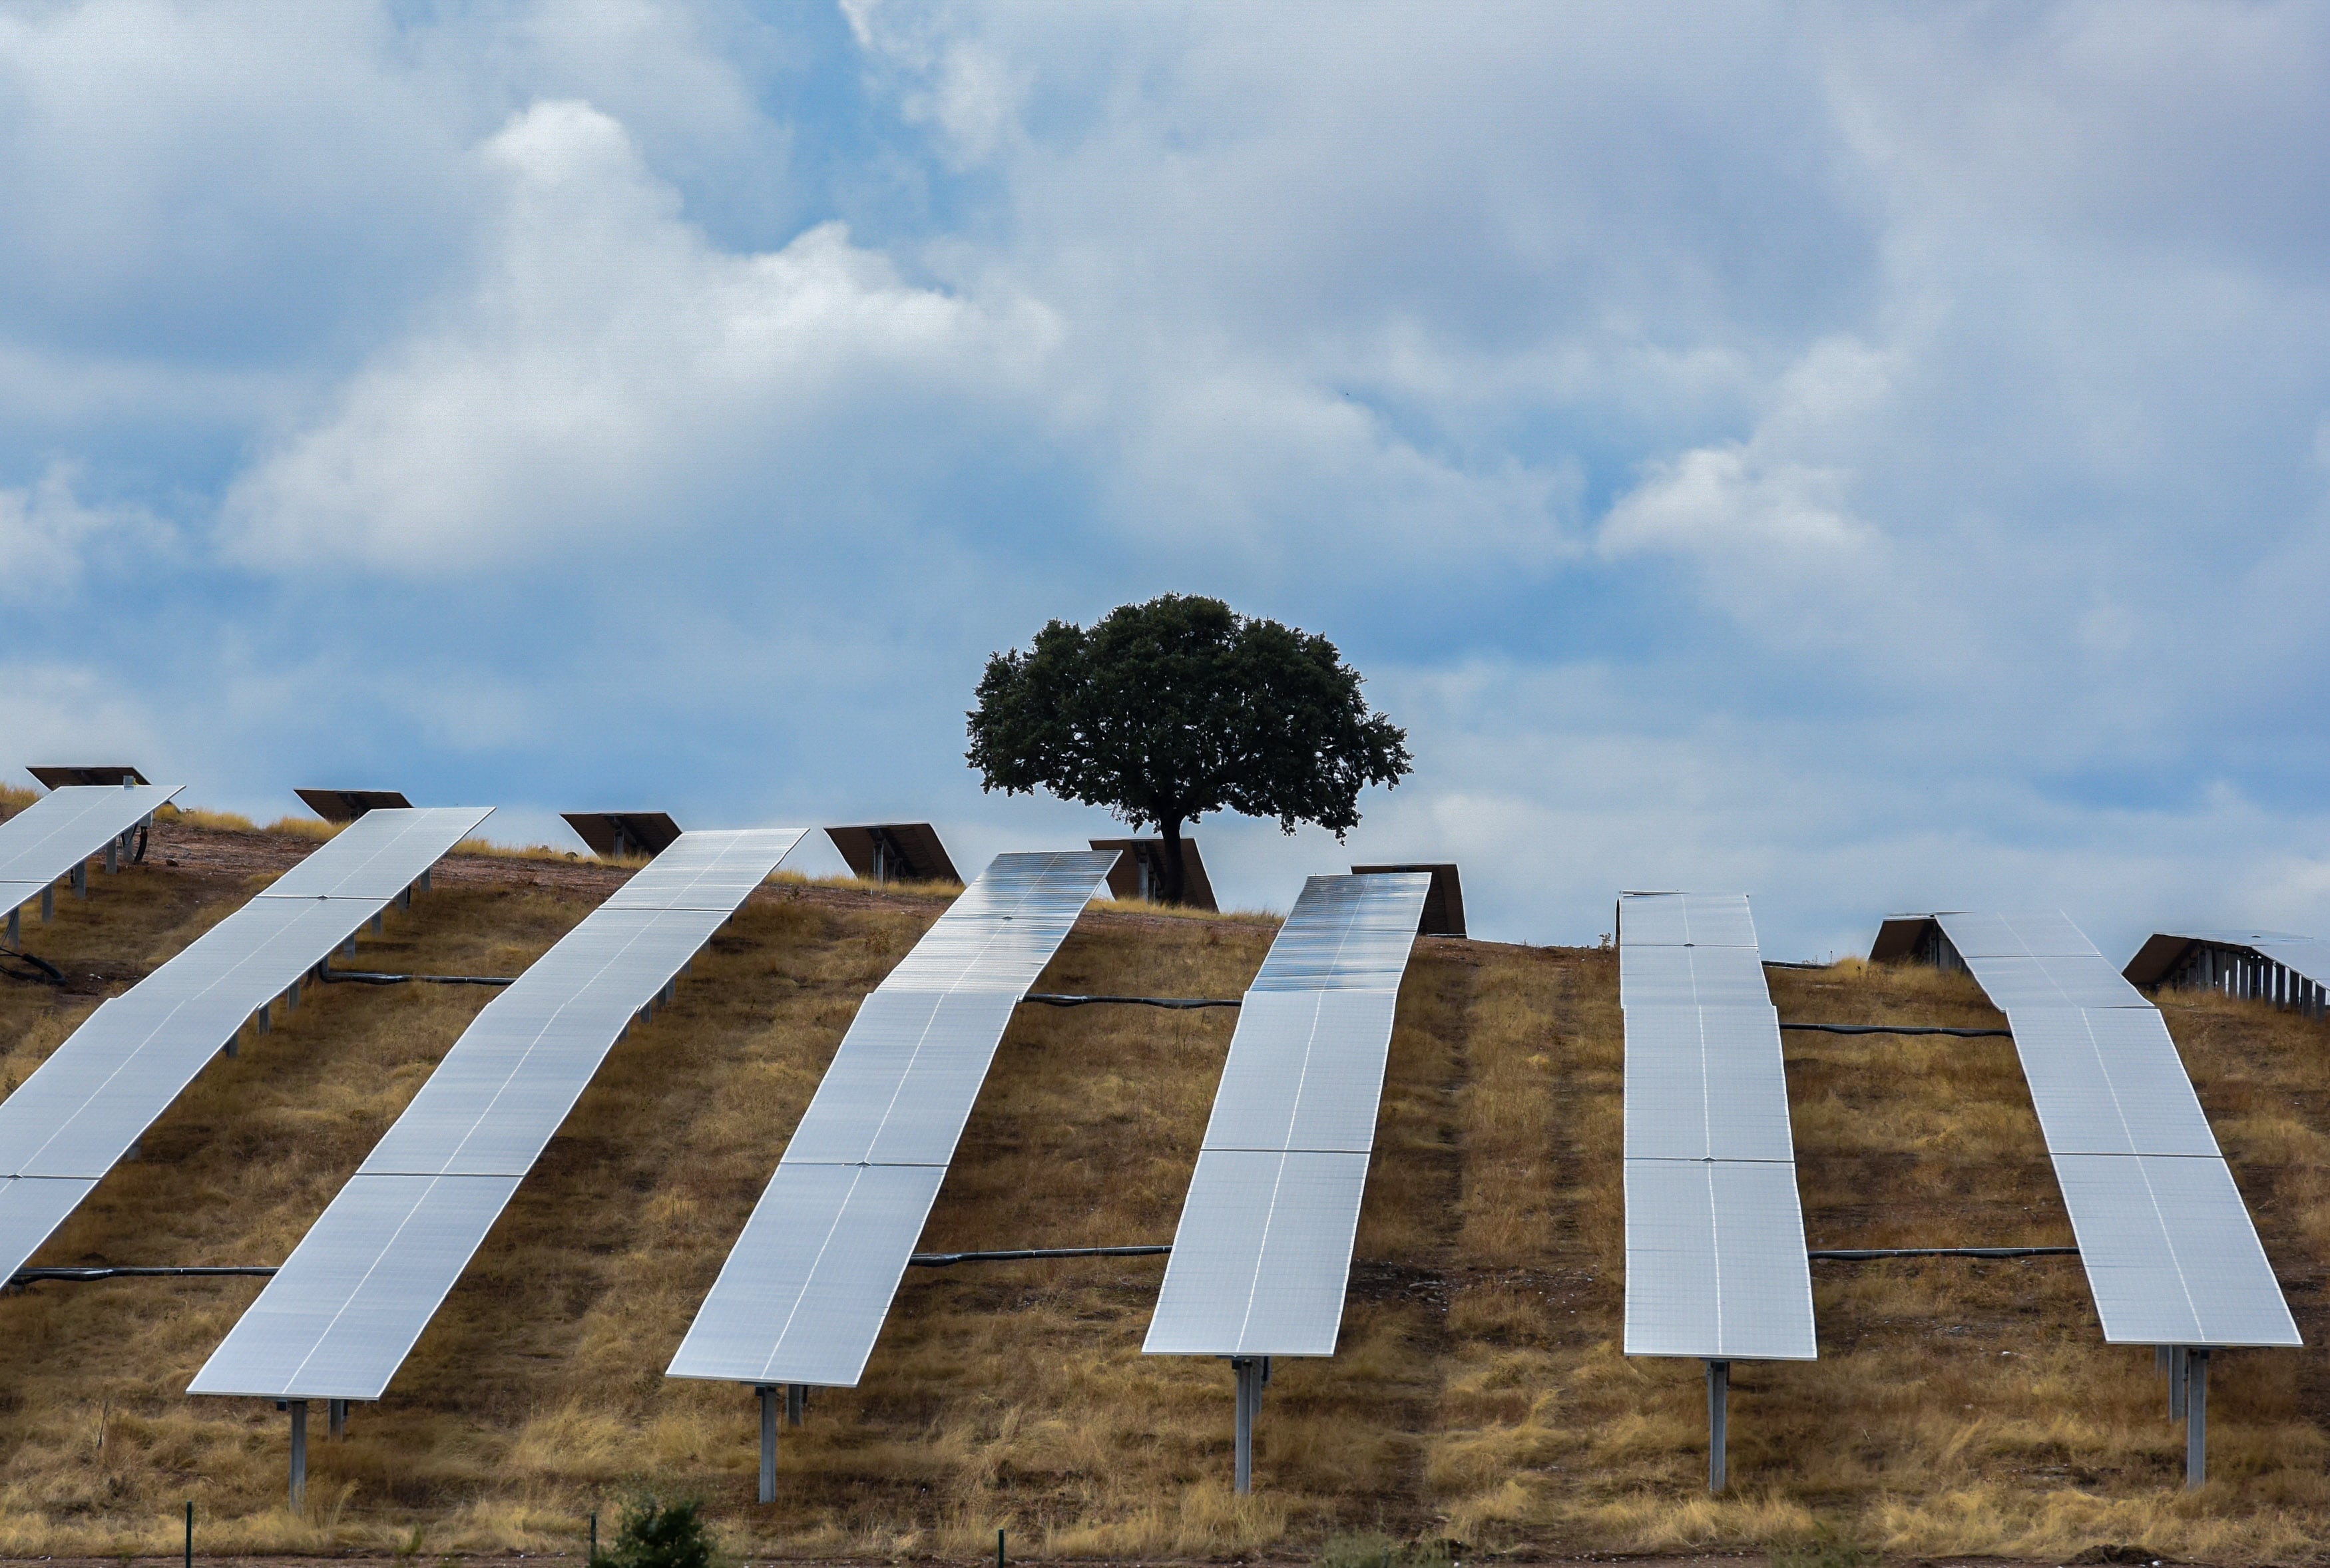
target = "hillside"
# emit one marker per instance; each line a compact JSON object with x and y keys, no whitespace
{"x":1480,"y":1393}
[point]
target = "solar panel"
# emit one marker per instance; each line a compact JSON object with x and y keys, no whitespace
{"x":82,"y":1109}
{"x":616,"y":834}
{"x":803,"y":1293}
{"x":347,"y":805}
{"x":895,"y":852}
{"x":2171,"y":1255}
{"x":1263,"y":1252}
{"x":345,"y":1311}
{"x":1140,"y":874}
{"x":1443,"y":906}
{"x":1715,"y":1267}
{"x":61,"y":830}
{"x":2211,"y":960}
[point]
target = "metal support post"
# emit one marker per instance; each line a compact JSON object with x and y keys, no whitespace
{"x":796,"y":1402}
{"x":379,"y":924}
{"x":80,"y":880}
{"x":425,"y":880}
{"x":2176,"y":1376}
{"x":352,"y":944}
{"x":113,"y":857}
{"x":1250,"y":1371}
{"x":338,"y":1410}
{"x":2196,"y":1418}
{"x":291,"y":998}
{"x":767,"y":1394}
{"x":298,"y":1455}
{"x":16,"y":925}
{"x":48,"y":903}
{"x":1718,"y":1422}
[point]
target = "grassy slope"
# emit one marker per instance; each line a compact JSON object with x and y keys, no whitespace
{"x":1479,"y":1391}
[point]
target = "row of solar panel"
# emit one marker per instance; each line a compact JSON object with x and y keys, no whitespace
{"x":822,"y":1255}
{"x":1715,"y":1246}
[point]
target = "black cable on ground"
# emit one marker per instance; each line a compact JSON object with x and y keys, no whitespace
{"x":83,"y":1276}
{"x":1877,"y":1254}
{"x":50,"y":975}
{"x":1022,"y":1254}
{"x":1897,"y":1029}
{"x":1054,"y":999}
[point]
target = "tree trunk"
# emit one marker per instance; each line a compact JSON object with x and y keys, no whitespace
{"x":1177,"y":879}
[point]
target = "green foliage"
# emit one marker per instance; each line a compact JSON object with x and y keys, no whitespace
{"x":1165,"y":710}
{"x":1823,"y":1548}
{"x":1372,"y":1549}
{"x":655,"y":1534}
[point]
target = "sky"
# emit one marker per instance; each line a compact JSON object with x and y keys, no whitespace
{"x":1874,"y":458}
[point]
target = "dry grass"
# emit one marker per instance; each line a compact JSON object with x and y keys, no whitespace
{"x":1958,"y":1408}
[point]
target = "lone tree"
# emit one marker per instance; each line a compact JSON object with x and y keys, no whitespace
{"x":1165,"y":710}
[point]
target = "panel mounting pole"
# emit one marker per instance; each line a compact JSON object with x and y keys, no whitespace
{"x":2177,"y":1355}
{"x":1718,"y":1422}
{"x":2197,"y":1419}
{"x":338,"y":1410}
{"x":298,"y":1455}
{"x":768,"y":1393}
{"x":796,"y":1402}
{"x":1250,"y":1374}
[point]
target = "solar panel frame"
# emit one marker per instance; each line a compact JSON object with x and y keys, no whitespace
{"x":478,"y":1124}
{"x":348,"y":1310}
{"x":2108,"y":1081}
{"x":1273,"y":1202}
{"x":1720,"y":920}
{"x":64,"y":829}
{"x":2171,"y":1254}
{"x":1715,"y":1267}
{"x":1265,"y":1269}
{"x":83,"y":1107}
{"x":891,"y":1107}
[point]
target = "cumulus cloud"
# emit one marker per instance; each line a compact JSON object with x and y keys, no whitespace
{"x":610,"y":362}
{"x":51,"y":541}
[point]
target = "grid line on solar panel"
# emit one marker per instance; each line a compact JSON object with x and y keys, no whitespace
{"x":64,"y":827}
{"x":96,"y":1094}
{"x":864,"y":1165}
{"x":377,"y":1267}
{"x":1263,"y":1252}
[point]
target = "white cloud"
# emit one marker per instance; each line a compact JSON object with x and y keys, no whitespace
{"x":50,"y":541}
{"x":611,"y":367}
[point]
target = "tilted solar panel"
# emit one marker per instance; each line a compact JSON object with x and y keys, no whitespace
{"x":64,"y":829}
{"x":344,"y":1312}
{"x":1262,"y":1253}
{"x":83,"y":1107}
{"x":803,"y":1293}
{"x":1715,"y":1235}
{"x":2171,"y":1255}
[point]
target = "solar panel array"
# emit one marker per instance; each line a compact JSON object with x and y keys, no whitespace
{"x":803,"y":1293}
{"x":1263,"y":1252}
{"x":83,"y":1107}
{"x":2170,"y":1252}
{"x":1715,"y":1266}
{"x":344,"y":1312}
{"x":64,"y":829}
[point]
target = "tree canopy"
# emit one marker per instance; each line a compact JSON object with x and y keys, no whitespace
{"x":1165,"y":710}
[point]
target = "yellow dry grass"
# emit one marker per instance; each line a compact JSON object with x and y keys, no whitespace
{"x":1479,"y":1393}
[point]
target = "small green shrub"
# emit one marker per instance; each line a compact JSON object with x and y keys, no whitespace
{"x":1823,"y":1548}
{"x":655,"y":1534}
{"x":1372,"y":1549}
